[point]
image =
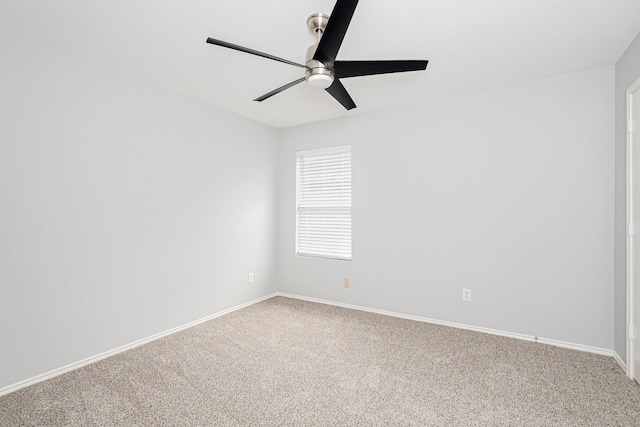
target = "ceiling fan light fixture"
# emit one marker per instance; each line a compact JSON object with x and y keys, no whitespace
{"x":320,"y":81}
{"x":317,"y":74}
{"x":322,"y":70}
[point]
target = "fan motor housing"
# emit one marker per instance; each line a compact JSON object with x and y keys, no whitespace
{"x":317,"y":74}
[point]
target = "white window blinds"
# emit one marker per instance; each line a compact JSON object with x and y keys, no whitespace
{"x":323,"y":203}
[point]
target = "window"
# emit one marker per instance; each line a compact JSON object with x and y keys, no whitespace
{"x":323,"y":203}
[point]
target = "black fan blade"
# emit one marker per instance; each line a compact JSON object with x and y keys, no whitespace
{"x":335,"y":30}
{"x":277,"y":91}
{"x":369,"y":68}
{"x":341,"y":95}
{"x":251,"y":51}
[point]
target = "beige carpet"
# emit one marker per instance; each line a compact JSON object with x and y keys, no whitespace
{"x":289,"y":362}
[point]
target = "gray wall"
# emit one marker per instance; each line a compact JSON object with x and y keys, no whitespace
{"x":508,"y":192}
{"x":125,"y":209}
{"x":627,"y":72}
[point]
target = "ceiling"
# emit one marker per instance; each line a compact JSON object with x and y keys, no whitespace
{"x":470,"y":44}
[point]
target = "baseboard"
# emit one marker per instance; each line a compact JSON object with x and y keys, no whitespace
{"x":618,"y":359}
{"x":563,"y":344}
{"x":54,"y":373}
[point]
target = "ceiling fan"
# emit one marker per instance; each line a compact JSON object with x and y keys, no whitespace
{"x":321,"y":68}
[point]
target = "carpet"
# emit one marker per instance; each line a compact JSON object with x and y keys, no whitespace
{"x":288,"y":362}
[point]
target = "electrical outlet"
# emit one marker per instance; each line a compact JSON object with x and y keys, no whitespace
{"x":250,"y":277}
{"x":346,"y":282}
{"x":466,"y":294}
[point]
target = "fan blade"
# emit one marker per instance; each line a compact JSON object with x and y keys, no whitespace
{"x":341,"y":95}
{"x":334,"y":31}
{"x":277,"y":91}
{"x":368,"y":68}
{"x":251,"y":51}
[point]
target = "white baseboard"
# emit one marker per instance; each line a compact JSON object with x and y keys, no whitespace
{"x":54,"y":373}
{"x":618,"y":359}
{"x":572,"y":346}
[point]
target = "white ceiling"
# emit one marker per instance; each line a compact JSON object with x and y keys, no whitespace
{"x":470,"y":45}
